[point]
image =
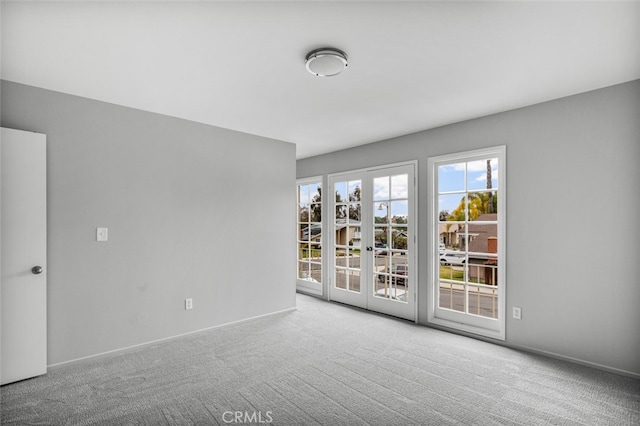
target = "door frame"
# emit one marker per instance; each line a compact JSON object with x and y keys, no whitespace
{"x":328,"y":224}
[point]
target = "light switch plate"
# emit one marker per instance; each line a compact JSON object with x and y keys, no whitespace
{"x":102,"y":234}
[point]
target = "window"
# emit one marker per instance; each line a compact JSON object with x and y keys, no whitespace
{"x":467,"y":244}
{"x":309,"y":205}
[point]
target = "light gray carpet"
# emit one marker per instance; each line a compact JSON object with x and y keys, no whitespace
{"x":324,"y":364}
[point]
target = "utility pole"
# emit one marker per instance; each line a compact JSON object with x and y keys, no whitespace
{"x":489,"y":186}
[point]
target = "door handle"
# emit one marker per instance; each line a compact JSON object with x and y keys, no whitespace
{"x":36,"y":270}
{"x":369,"y":248}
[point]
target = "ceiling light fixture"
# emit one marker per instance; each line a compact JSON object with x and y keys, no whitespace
{"x":326,"y":61}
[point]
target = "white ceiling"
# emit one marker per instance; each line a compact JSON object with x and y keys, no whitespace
{"x":240,"y":65}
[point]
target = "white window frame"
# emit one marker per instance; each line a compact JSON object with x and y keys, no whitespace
{"x":488,"y":327}
{"x":305,"y":286}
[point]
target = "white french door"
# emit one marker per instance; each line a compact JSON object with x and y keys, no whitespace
{"x":372,"y":235}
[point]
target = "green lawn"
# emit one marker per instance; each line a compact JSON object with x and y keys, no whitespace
{"x":451,"y":273}
{"x":447,"y":272}
{"x":306,"y":252}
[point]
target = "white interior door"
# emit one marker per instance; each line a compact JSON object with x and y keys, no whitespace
{"x":23,"y":252}
{"x":373,"y":240}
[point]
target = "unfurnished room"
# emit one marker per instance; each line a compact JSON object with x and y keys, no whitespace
{"x":319,"y":212}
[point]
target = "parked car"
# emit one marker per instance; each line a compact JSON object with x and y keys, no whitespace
{"x":381,"y":249}
{"x":314,"y":229}
{"x":452,"y":259}
{"x":397,"y":270}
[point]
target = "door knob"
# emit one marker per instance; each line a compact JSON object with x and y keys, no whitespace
{"x":36,"y":270}
{"x":369,"y":248}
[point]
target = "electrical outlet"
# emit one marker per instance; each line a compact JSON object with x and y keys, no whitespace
{"x":102,"y":234}
{"x":188,"y":304}
{"x":517,"y":313}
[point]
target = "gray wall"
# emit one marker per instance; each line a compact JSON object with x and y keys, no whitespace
{"x":572,"y":229}
{"x":192,"y":210}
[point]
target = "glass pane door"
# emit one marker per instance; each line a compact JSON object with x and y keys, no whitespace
{"x":373,"y":240}
{"x":347,"y":238}
{"x":392,"y":276}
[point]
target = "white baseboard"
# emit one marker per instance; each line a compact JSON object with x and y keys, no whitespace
{"x":579,"y":361}
{"x":164,"y":339}
{"x":533,"y":350}
{"x":309,"y":291}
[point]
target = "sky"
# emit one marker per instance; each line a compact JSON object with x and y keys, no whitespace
{"x":451,"y":178}
{"x":391,"y":192}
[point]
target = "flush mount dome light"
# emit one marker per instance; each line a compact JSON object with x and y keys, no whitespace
{"x":326,"y":61}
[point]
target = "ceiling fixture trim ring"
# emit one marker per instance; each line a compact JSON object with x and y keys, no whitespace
{"x":326,"y":61}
